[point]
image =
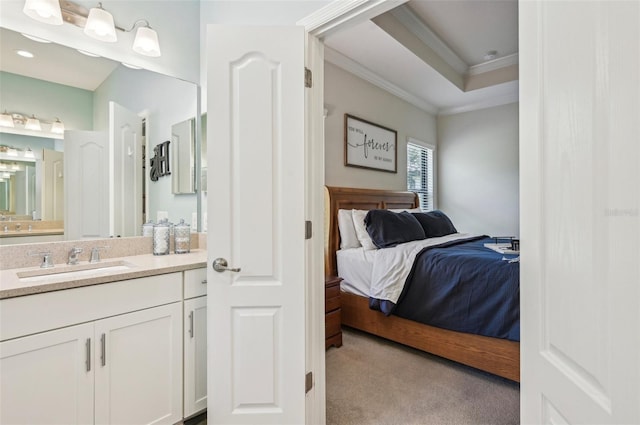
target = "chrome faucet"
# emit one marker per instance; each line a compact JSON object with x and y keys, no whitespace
{"x":73,"y":255}
{"x":47,"y":262}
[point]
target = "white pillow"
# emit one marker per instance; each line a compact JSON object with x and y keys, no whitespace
{"x":361,"y":229}
{"x":348,"y":237}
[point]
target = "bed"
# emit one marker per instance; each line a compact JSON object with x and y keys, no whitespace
{"x":498,"y":356}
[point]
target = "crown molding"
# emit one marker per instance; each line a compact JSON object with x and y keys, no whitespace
{"x":489,"y":103}
{"x":349,"y":65}
{"x":494,"y":64}
{"x":335,"y":15}
{"x":414,"y":24}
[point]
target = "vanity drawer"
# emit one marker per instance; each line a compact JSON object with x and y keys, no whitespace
{"x":30,"y":314}
{"x":195,"y":283}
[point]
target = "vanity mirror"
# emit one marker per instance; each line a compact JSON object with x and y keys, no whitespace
{"x":114,"y":117}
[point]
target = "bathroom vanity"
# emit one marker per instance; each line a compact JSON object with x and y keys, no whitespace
{"x":121,"y":341}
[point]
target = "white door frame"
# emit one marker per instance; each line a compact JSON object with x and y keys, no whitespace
{"x":334,"y":17}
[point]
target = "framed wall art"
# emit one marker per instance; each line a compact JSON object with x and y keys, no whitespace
{"x":369,"y":145}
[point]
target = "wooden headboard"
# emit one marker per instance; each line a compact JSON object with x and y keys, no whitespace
{"x":339,"y":198}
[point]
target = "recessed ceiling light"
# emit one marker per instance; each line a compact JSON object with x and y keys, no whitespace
{"x":24,"y":53}
{"x":491,"y":55}
{"x":34,"y":38}
{"x":84,"y":52}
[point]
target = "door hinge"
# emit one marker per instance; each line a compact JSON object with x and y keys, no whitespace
{"x":308,"y":229}
{"x":308,"y":78}
{"x":308,"y":382}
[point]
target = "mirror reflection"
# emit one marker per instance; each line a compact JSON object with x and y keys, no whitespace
{"x":96,"y":177}
{"x":183,"y":148}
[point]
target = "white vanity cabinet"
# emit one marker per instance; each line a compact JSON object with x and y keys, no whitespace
{"x":138,"y":365}
{"x":44,"y":377}
{"x":114,"y":356}
{"x":195,"y":341}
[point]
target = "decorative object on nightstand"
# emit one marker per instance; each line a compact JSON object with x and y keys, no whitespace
{"x":332,"y":310}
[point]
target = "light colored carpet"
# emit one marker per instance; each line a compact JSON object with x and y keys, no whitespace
{"x":374,"y":381}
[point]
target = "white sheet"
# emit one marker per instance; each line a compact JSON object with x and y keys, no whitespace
{"x":354,"y":267}
{"x":387,"y":269}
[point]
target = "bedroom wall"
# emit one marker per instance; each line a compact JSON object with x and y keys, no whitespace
{"x":346,"y":93}
{"x":478,"y":172}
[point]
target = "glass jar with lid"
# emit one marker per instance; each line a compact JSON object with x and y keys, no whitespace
{"x":147,"y":228}
{"x":181,"y":238}
{"x":161,"y":238}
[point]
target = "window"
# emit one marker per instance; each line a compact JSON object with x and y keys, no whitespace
{"x":420,"y":172}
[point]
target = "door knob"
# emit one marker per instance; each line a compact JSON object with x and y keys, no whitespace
{"x":220,"y":265}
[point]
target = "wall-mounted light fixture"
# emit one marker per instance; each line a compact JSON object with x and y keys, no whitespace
{"x":33,"y":124}
{"x":97,"y":23}
{"x":16,"y":154}
{"x":100,"y":25}
{"x":17,"y":120}
{"x":6,"y":120}
{"x":47,"y":11}
{"x":57,"y":126}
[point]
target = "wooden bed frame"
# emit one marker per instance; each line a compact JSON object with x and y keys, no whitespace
{"x":498,"y":356}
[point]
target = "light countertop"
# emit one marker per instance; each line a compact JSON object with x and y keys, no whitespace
{"x":137,"y":266}
{"x":34,"y":232}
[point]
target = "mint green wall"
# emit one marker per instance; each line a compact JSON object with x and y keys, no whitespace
{"x":47,"y":100}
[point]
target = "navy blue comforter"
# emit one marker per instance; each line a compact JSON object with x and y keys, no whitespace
{"x":462,"y":286}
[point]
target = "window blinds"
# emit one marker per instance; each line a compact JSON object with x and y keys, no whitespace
{"x":420,"y":174}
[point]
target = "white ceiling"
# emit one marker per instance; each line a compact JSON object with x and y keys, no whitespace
{"x":52,"y":62}
{"x":460,"y":32}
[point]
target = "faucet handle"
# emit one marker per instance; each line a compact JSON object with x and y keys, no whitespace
{"x":73,"y":255}
{"x":95,"y":253}
{"x":47,"y":262}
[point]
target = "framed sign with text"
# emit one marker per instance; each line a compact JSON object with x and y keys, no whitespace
{"x":368,"y":145}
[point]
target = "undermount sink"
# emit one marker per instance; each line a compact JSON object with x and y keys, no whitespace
{"x":74,"y":271}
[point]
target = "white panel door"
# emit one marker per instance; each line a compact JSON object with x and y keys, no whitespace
{"x":47,"y":378}
{"x":580,"y":194}
{"x":256,"y":320}
{"x":138,"y":372}
{"x":125,"y":133}
{"x":53,"y":190}
{"x":86,"y":184}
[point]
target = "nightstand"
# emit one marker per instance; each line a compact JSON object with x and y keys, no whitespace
{"x":332,"y":316}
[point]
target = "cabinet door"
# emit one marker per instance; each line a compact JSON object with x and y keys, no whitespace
{"x":195,"y":355}
{"x":47,"y":378}
{"x":139,"y":367}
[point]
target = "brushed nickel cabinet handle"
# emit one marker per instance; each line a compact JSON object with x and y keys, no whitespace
{"x":103,"y":349}
{"x":191,"y":324}
{"x":88,"y":354}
